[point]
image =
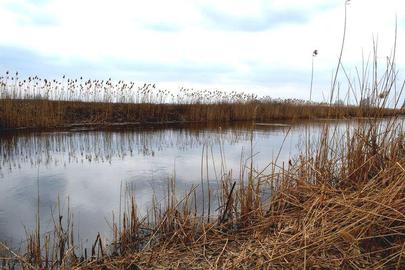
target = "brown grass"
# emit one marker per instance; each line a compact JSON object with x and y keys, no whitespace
{"x":36,"y":103}
{"x":40,"y":114}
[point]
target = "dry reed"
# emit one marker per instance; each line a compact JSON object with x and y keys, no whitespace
{"x":39,"y":103}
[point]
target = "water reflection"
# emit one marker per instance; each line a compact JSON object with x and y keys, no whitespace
{"x":90,"y":167}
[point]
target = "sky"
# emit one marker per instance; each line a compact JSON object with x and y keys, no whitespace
{"x":256,"y":46}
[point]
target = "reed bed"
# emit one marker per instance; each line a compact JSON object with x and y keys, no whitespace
{"x":38,"y":103}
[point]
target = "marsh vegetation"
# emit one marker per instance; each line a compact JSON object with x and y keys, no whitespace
{"x":35,"y":103}
{"x":336,"y":202}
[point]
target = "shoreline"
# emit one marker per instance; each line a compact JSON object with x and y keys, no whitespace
{"x":40,"y":115}
{"x":78,"y":127}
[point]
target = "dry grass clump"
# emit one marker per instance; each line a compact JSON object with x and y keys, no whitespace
{"x":342,"y":207}
{"x":310,"y":228}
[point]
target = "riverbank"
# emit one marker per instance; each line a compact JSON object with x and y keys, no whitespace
{"x":340,"y":208}
{"x":47,"y":114}
{"x":337,"y":205}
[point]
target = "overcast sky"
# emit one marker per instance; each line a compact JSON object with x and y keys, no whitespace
{"x":258,"y":46}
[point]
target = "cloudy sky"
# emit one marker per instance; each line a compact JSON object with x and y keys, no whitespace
{"x":256,"y":46}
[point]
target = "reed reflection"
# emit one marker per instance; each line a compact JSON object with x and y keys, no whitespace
{"x":60,"y":148}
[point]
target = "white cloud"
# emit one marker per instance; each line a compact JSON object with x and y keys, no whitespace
{"x":278,"y":35}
